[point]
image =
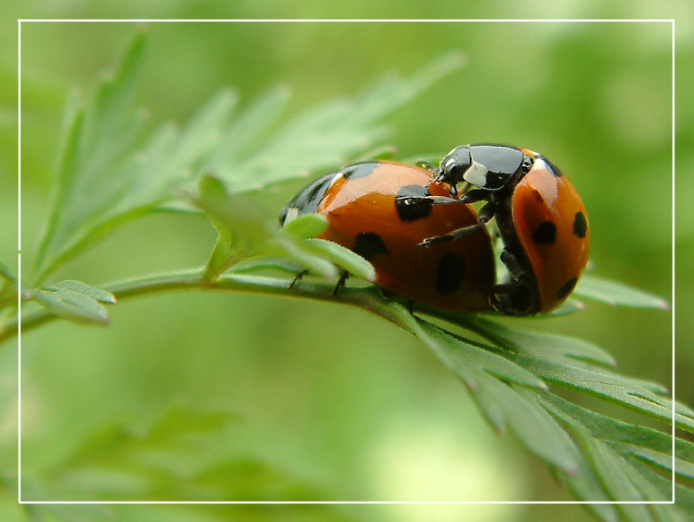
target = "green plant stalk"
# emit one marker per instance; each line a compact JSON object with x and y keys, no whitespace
{"x":196,"y":280}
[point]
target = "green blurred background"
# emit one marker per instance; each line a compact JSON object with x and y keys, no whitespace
{"x":330,"y":395}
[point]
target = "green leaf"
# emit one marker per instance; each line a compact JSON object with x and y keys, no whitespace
{"x":293,"y":247}
{"x":663,"y":461}
{"x":547,"y":346}
{"x":76,"y":301}
{"x":326,"y":136}
{"x":356,"y":265}
{"x":6,"y":274}
{"x":177,"y":458}
{"x":599,"y":458}
{"x":9,"y":287}
{"x":389,"y":94}
{"x":246,"y":132}
{"x":469,"y":361}
{"x":568,"y":307}
{"x":616,"y":474}
{"x":504,"y":403}
{"x":110,"y":172}
{"x":617,"y":294}
{"x":116,"y":457}
{"x":540,"y":433}
{"x":625,"y":457}
{"x":253,"y":264}
{"x":626,"y":391}
{"x":297,"y":241}
{"x":96,"y":136}
{"x":241,"y":227}
{"x":639,"y":441}
{"x":206,"y":132}
{"x":307,"y":225}
{"x":97,"y":294}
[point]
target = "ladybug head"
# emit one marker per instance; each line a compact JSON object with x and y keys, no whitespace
{"x":453,"y":167}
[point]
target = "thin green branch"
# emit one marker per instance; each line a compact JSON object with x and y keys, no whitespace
{"x":195,"y":280}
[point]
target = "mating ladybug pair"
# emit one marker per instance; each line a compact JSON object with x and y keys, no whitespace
{"x":428,"y":244}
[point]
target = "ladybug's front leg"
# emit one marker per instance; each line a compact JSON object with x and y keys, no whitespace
{"x":471,"y":196}
{"x":485,"y":214}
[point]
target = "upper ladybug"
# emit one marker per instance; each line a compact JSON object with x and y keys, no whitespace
{"x":540,"y":216}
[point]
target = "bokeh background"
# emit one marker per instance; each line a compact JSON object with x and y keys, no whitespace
{"x":327,"y":394}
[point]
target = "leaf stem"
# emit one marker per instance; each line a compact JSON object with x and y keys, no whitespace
{"x":368,"y":298}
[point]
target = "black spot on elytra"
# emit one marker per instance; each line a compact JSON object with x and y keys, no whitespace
{"x":369,"y":245}
{"x":580,"y":225}
{"x":568,"y":287}
{"x":411,"y":203}
{"x":545,"y":234}
{"x":360,"y":170}
{"x":450,"y":273}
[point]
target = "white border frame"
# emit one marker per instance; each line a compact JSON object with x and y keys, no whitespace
{"x":265,"y":20}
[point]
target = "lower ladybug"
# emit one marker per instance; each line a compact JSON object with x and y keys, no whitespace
{"x":383,"y":211}
{"x":539,"y":214}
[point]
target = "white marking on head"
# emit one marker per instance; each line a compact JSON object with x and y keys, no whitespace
{"x":449,"y":164}
{"x":476,"y":174}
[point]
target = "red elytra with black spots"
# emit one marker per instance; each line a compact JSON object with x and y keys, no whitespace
{"x":551,"y":224}
{"x":540,"y":215}
{"x":380,"y":210}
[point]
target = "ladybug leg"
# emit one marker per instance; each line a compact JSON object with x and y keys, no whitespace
{"x":441,"y":200}
{"x":515,"y":269}
{"x":471,"y":196}
{"x":298,"y":278}
{"x":340,"y":282}
{"x":514,"y":266}
{"x":468,"y":197}
{"x":510,"y":298}
{"x":485,"y":214}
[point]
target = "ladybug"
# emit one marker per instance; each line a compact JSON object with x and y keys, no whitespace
{"x":382,"y":211}
{"x":540,"y":216}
